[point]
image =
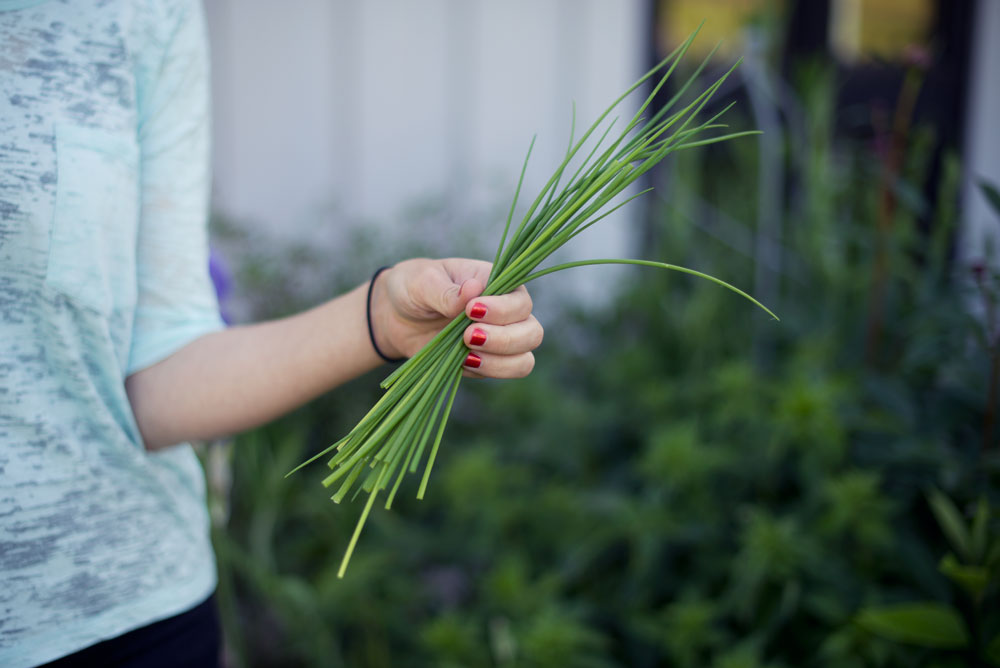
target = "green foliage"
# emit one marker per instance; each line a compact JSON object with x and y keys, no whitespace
{"x":681,"y":482}
{"x":927,"y":624}
{"x":940,"y":625}
{"x":390,"y":440}
{"x":992,"y":195}
{"x":951,"y":523}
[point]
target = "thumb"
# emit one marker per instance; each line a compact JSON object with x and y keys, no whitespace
{"x":471,"y":288}
{"x":453,"y":297}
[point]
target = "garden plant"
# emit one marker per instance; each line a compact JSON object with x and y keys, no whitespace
{"x":679,"y":485}
{"x":391,"y":439}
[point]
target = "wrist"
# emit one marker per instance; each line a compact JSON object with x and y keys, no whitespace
{"x":379,"y":325}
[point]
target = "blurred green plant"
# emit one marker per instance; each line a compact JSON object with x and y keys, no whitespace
{"x":656,"y":493}
{"x":973,"y":628}
{"x":391,"y":439}
{"x":988,"y":288}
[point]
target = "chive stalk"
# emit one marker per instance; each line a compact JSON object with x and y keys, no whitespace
{"x":410,"y":418}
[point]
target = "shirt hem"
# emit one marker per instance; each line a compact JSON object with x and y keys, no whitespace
{"x":74,"y":637}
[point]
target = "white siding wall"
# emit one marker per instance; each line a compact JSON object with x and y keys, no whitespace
{"x":329,"y":112}
{"x":982,"y":132}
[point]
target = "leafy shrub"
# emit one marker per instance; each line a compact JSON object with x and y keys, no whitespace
{"x":679,"y":483}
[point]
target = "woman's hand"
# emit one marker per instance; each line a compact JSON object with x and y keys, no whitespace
{"x":415,"y":299}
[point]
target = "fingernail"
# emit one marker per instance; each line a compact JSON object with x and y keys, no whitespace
{"x":477,"y":311}
{"x":478,"y":337}
{"x":473,"y":361}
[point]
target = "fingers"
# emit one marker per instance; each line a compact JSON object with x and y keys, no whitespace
{"x":502,"y":351}
{"x":499,"y":366}
{"x":503,"y":335}
{"x":422,"y":295}
{"x":501,"y":309}
{"x":520,"y":337}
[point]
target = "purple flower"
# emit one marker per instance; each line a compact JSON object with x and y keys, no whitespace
{"x":222,"y":279}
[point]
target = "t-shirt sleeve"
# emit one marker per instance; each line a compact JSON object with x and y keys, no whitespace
{"x":176,"y":301}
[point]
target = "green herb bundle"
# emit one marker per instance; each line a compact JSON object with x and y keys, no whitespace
{"x":404,"y":429}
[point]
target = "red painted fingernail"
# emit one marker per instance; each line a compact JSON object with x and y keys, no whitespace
{"x":478,"y":337}
{"x":477,"y":311}
{"x":473,"y":361}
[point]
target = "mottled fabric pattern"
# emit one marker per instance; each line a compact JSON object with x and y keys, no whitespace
{"x":103,"y":271}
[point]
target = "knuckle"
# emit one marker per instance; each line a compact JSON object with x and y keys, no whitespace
{"x":539,"y":334}
{"x":423,"y":273}
{"x":507,"y":344}
{"x":528,"y":364}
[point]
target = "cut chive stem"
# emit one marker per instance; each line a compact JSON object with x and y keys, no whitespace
{"x":440,"y":433}
{"x":603,"y":162}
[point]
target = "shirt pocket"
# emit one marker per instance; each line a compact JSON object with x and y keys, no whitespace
{"x":95,"y":220}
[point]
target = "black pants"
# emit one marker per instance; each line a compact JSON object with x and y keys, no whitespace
{"x":191,"y":638}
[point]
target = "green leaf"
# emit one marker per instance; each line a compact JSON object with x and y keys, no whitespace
{"x":980,"y":526}
{"x":973,"y":579}
{"x":648,"y":263}
{"x":951,"y":523}
{"x":992,"y":195}
{"x":993,"y":650}
{"x":926,"y":624}
{"x":411,"y":415}
{"x":993,"y":557}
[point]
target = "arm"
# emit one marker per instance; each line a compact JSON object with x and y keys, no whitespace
{"x":232,"y":380}
{"x":186,"y":379}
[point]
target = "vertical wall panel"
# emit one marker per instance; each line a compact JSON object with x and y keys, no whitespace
{"x":982,"y":149}
{"x":358,"y":109}
{"x":403,"y":104}
{"x":273,"y":121}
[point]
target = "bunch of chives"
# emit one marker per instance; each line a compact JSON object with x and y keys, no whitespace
{"x":408,"y":422}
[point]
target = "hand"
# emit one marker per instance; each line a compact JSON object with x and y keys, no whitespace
{"x":415,"y":299}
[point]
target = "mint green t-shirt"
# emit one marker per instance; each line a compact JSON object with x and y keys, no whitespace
{"x":104,"y":182}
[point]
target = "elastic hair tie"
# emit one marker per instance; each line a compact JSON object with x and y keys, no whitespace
{"x":368,"y":314}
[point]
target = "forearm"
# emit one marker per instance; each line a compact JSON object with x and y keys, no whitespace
{"x":239,"y":378}
{"x":235,"y":379}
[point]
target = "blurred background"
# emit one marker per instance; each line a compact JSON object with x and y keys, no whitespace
{"x":681,"y":482}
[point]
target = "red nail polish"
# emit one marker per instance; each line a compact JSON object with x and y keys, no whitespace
{"x":473,"y":361}
{"x":478,"y":337}
{"x":477,"y":311}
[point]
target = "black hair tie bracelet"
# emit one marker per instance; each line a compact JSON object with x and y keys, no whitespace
{"x":368,"y":313}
